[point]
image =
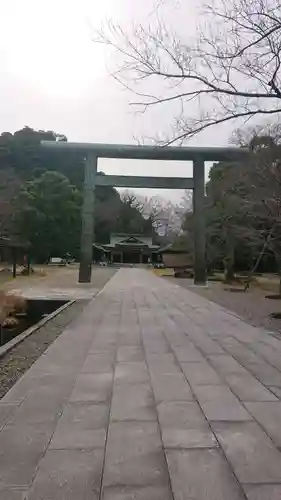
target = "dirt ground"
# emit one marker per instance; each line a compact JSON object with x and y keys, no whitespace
{"x":252,"y":305}
{"x":58,"y":282}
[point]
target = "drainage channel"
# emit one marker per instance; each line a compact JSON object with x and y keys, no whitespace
{"x":36,"y":311}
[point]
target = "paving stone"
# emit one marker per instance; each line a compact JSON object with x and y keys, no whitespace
{"x":21,"y":447}
{"x":268,"y":352}
{"x":136,"y":493}
{"x":276,"y":391}
{"x":196,"y":436}
{"x":159,"y":368}
{"x":13,"y":494}
{"x":226,"y":364}
{"x":81,"y":426}
{"x":156,"y":346}
{"x":248,"y":388}
{"x":266,"y":374}
{"x":94,"y":387}
{"x":269,"y":416}
{"x":163,"y":363}
{"x":219,"y":403}
{"x":99,"y":362}
{"x":6,"y":411}
{"x":133,"y":402}
{"x":240,"y":352}
{"x":200,"y":374}
{"x":203,"y":475}
{"x":16,"y":394}
{"x":130,"y":353}
{"x":131,"y":373}
{"x":171,"y":387}
{"x":206,"y":344}
{"x":175,"y":337}
{"x":130,"y":340}
{"x":263,"y":492}
{"x":140,"y":318}
{"x":108,"y":354}
{"x":190,"y":354}
{"x":250,"y":452}
{"x":245,"y":333}
{"x":180,"y":414}
{"x":41,"y":405}
{"x":183,"y":425}
{"x":68,"y":474}
{"x":272,"y":341}
{"x":134,"y":455}
{"x":103,"y":344}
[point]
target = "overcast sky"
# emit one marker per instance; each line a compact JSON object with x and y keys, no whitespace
{"x":53,"y":76}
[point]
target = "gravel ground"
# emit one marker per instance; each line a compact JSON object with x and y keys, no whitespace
{"x":252,"y":306}
{"x":16,"y":362}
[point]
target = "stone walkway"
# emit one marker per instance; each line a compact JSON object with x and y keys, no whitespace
{"x":153,"y":393}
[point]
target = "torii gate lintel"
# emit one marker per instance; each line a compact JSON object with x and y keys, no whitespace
{"x":197,"y":155}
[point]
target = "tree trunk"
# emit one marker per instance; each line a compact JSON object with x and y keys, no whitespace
{"x":260,"y":256}
{"x":228,"y":262}
{"x":278,"y":262}
{"x":229,"y":274}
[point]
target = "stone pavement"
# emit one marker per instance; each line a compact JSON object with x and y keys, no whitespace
{"x":154,"y":393}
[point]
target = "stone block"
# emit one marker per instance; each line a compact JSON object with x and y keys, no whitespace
{"x":130,"y":353}
{"x":133,"y":372}
{"x":68,"y":474}
{"x":263,"y":492}
{"x":180,"y":414}
{"x":269,"y":416}
{"x":189,"y":353}
{"x":96,"y":363}
{"x":226,"y":364}
{"x":219,"y":403}
{"x":6,"y":411}
{"x":13,"y":494}
{"x":194,"y":436}
{"x":137,"y":493}
{"x":21,"y":448}
{"x":200,"y":374}
{"x":134,"y":455}
{"x":267,"y":374}
{"x":171,"y":387}
{"x":250,"y":452}
{"x":248,"y":388}
{"x":202,"y":474}
{"x":81,"y":426}
{"x":95,"y":387}
{"x":133,"y":402}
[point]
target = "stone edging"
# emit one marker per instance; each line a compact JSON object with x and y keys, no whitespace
{"x":4,"y":349}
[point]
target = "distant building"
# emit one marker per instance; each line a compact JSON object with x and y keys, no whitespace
{"x":176,"y":257}
{"x":129,"y":249}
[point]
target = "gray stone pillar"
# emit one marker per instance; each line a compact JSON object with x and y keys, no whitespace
{"x":199,"y":222}
{"x":87,"y":231}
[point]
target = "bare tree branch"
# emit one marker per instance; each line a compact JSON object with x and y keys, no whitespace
{"x":231,"y":70}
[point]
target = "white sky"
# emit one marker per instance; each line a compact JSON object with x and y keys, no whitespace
{"x":53,"y":76}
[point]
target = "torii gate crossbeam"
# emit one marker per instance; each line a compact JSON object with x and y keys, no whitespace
{"x":197,"y":155}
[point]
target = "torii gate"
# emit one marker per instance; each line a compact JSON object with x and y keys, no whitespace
{"x":92,"y":179}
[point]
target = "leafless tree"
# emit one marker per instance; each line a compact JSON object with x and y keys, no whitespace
{"x":229,"y":71}
{"x":164,"y":215}
{"x":262,"y":175}
{"x":130,"y":199}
